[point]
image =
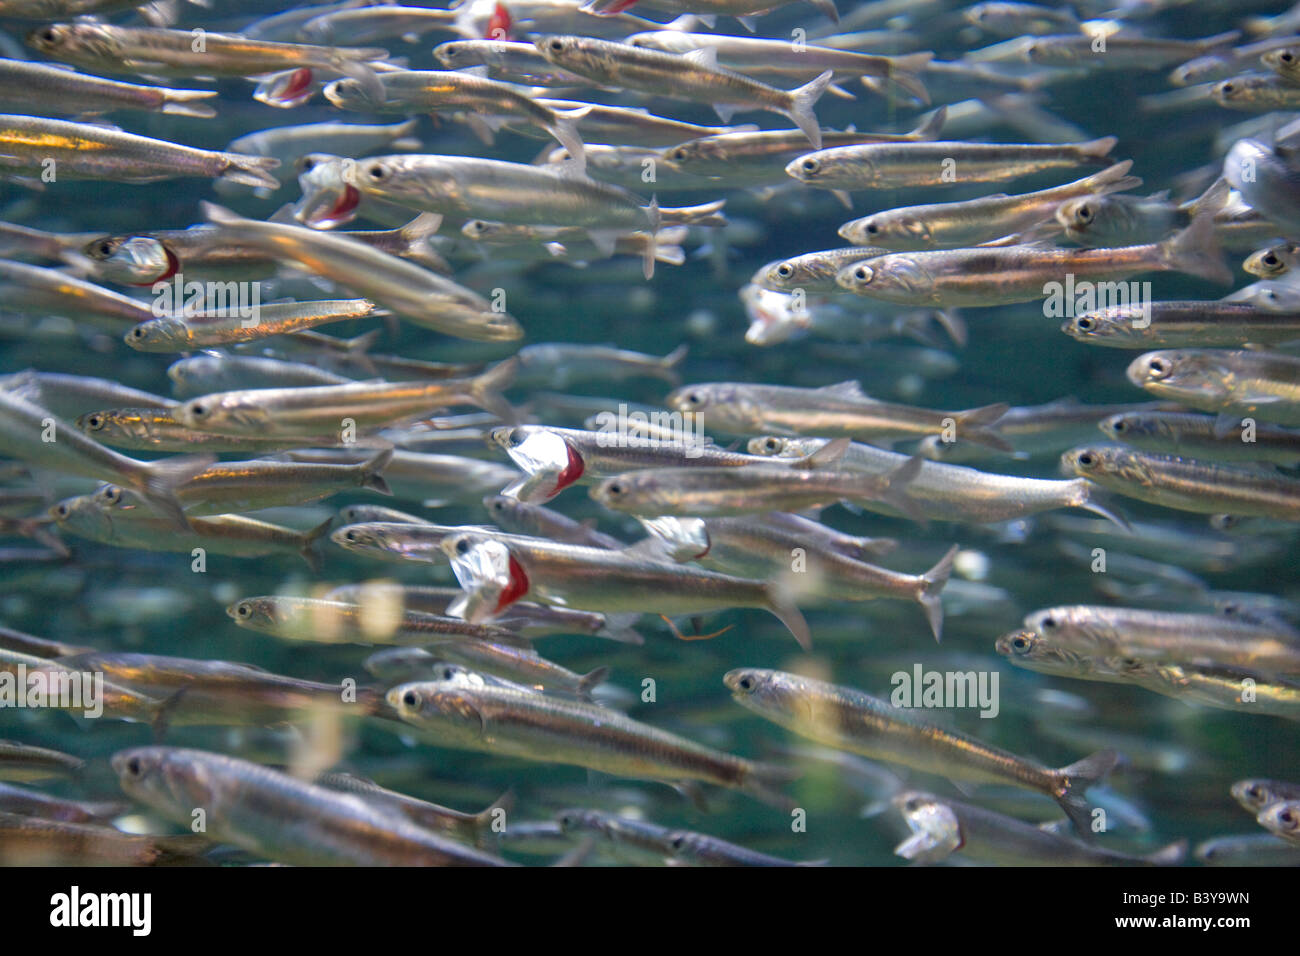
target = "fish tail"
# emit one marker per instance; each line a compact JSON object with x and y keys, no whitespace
{"x":371,"y":472}
{"x":1195,"y":251}
{"x":911,"y":84}
{"x":1112,"y":179}
{"x":1170,"y":855}
{"x":932,"y":584}
{"x":565,"y":130}
{"x":309,"y":539}
{"x":419,"y":250}
{"x":503,"y":804}
{"x":667,"y":366}
{"x":827,"y":8}
{"x":1090,"y":500}
{"x":891,"y":488}
{"x":789,"y":615}
{"x":931,"y":126}
{"x":485,"y":390}
{"x":159,"y":480}
{"x":618,"y":627}
{"x":802,"y":101}
{"x":1212,"y":200}
{"x":183,"y":103}
{"x":1075,"y":780}
{"x":589,"y":680}
{"x":764,"y":781}
{"x":974,"y":424}
{"x":1097,"y":150}
{"x":954,"y":325}
{"x":251,"y":170}
{"x":707,"y":214}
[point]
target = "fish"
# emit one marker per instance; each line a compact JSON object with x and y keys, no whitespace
{"x":220,"y":327}
{"x":1184,"y":324}
{"x":160,"y":51}
{"x":898,"y":165}
{"x":1003,"y":275}
{"x":69,"y":92}
{"x":643,"y":839}
{"x":849,"y":719}
{"x":840,"y":410}
{"x":1235,"y":384}
{"x":412,"y":292}
{"x":1196,"y":436}
{"x":31,"y":433}
{"x":556,"y":730}
{"x":957,"y":225}
{"x":495,"y":573}
{"x":32,"y":147}
{"x":941,"y":826}
{"x":315,"y":410}
{"x":695,"y":75}
{"x":252,"y":807}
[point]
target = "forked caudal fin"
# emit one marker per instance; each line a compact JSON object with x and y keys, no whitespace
{"x":802,"y":101}
{"x":1075,"y":780}
{"x":932,"y":585}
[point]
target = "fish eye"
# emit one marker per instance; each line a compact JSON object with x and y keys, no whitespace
{"x":198,"y":410}
{"x":862,"y":273}
{"x":462,"y":546}
{"x":1085,"y":213}
{"x":49,"y":34}
{"x":1270,"y":259}
{"x":746,"y":683}
{"x":1227,"y":88}
{"x":810,"y":165}
{"x":410,"y":699}
{"x":1158,"y":367}
{"x":95,"y":422}
{"x":1254,"y":792}
{"x":112,"y":494}
{"x":557,"y":46}
{"x":133,"y":767}
{"x":681,"y":152}
{"x":61,"y":510}
{"x":306,"y":164}
{"x":772,"y":444}
{"x":448,"y":673}
{"x":1118,"y":425}
{"x":106,"y":248}
{"x":1085,"y":324}
{"x":376,"y":172}
{"x":1086,"y":459}
{"x":785,"y":270}
{"x":1048,"y":622}
{"x":615,"y":488}
{"x":678,"y":842}
{"x":1286,"y":56}
{"x":137,"y":332}
{"x":243,"y":610}
{"x":1020,"y":643}
{"x":1287,"y":817}
{"x":872,"y":228}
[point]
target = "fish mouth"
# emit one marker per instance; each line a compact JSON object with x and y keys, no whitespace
{"x":327,"y":210}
